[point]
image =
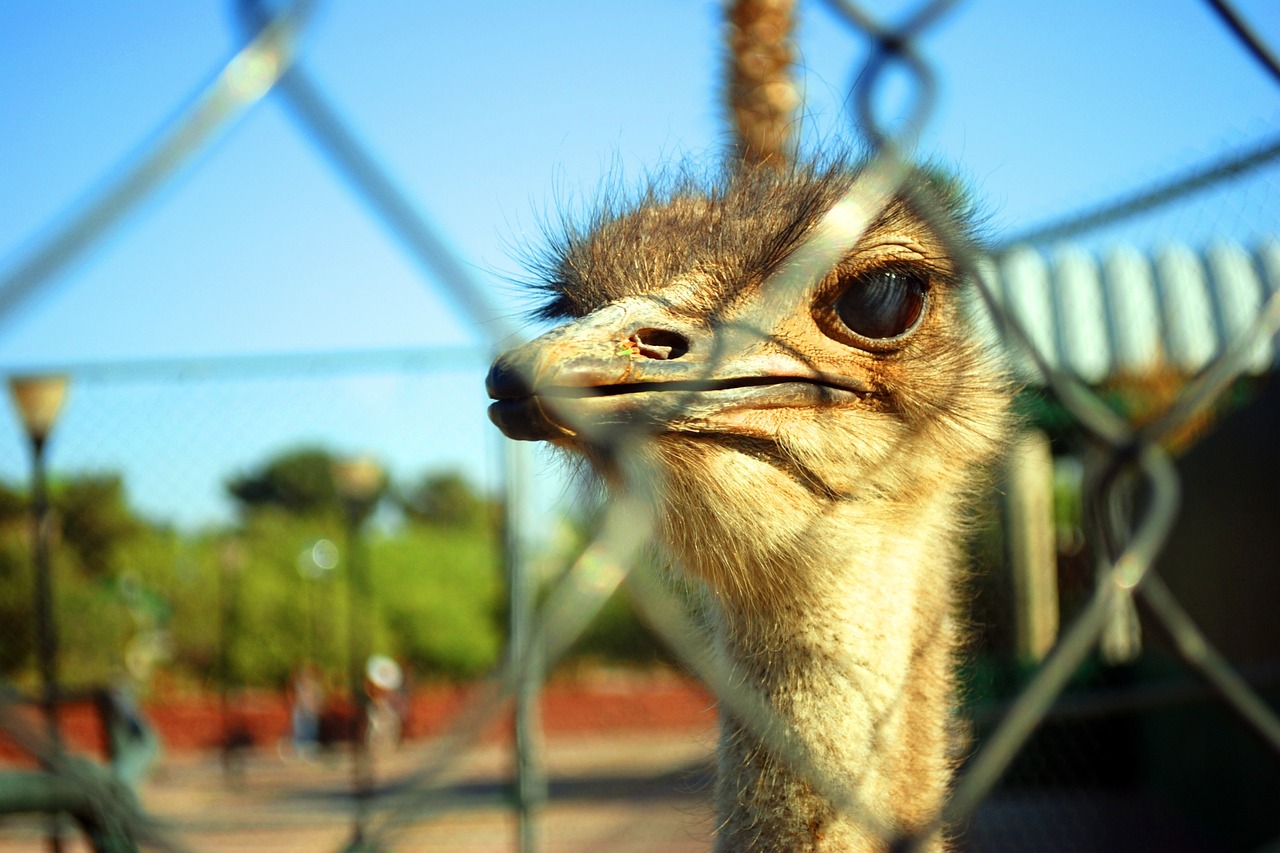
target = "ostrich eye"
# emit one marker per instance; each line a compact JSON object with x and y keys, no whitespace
{"x":882,"y":303}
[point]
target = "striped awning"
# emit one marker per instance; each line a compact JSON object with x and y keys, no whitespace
{"x":1132,"y":314}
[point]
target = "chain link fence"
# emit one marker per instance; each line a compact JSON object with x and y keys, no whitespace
{"x":1098,"y":683}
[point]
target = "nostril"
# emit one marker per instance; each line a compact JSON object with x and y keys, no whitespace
{"x":660,"y":343}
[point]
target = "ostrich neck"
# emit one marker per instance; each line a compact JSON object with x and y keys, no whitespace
{"x":854,"y":659}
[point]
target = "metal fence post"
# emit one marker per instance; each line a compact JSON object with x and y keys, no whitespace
{"x":530,"y":784}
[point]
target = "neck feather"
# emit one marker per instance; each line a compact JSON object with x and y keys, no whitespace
{"x":855,"y":659}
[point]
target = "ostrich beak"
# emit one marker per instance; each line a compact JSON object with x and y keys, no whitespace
{"x":633,"y":365}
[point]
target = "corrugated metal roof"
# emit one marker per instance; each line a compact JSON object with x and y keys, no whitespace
{"x":1133,"y":314}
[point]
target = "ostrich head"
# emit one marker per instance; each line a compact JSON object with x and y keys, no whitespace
{"x":808,"y":421}
{"x":767,"y":395}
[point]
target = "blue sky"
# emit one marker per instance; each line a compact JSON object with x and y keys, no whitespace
{"x":490,"y":116}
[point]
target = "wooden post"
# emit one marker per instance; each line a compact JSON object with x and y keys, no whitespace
{"x":1033,"y":558}
{"x":762,"y":96}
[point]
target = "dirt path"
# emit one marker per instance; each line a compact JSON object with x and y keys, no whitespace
{"x":615,"y":792}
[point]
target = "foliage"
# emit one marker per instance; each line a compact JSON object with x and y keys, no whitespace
{"x":17,"y":635}
{"x":95,"y":520}
{"x":1139,"y":400}
{"x":618,"y":635}
{"x":13,"y":505}
{"x":420,"y":579}
{"x":445,"y":500}
{"x":300,"y":481}
{"x":94,"y":633}
{"x":147,"y":602}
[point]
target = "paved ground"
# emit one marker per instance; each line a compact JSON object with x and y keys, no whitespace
{"x":619,"y":792}
{"x":616,"y":793}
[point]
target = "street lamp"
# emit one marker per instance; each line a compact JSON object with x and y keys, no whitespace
{"x":39,"y":400}
{"x":314,"y":564}
{"x":358,"y":481}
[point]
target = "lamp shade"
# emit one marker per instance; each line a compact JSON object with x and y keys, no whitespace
{"x":357,"y":479}
{"x":39,"y":400}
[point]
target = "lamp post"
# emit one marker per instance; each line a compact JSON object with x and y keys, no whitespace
{"x":359,"y":482}
{"x":232,"y":559}
{"x":314,"y":564}
{"x":39,"y":400}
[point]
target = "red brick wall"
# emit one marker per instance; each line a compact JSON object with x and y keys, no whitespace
{"x":195,"y":722}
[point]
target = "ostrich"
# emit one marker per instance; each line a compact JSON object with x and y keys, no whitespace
{"x":815,"y":448}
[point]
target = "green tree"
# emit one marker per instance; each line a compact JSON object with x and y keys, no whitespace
{"x":299,"y":481}
{"x":96,"y":533}
{"x":17,"y":633}
{"x":438,"y":595}
{"x":95,"y":520}
{"x":446,"y":499}
{"x":13,"y":505}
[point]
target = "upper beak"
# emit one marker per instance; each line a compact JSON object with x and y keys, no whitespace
{"x":538,"y":386}
{"x":634,"y":364}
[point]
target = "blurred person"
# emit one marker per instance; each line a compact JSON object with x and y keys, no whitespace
{"x":306,"y":702}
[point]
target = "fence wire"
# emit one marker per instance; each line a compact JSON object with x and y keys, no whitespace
{"x":1130,"y":501}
